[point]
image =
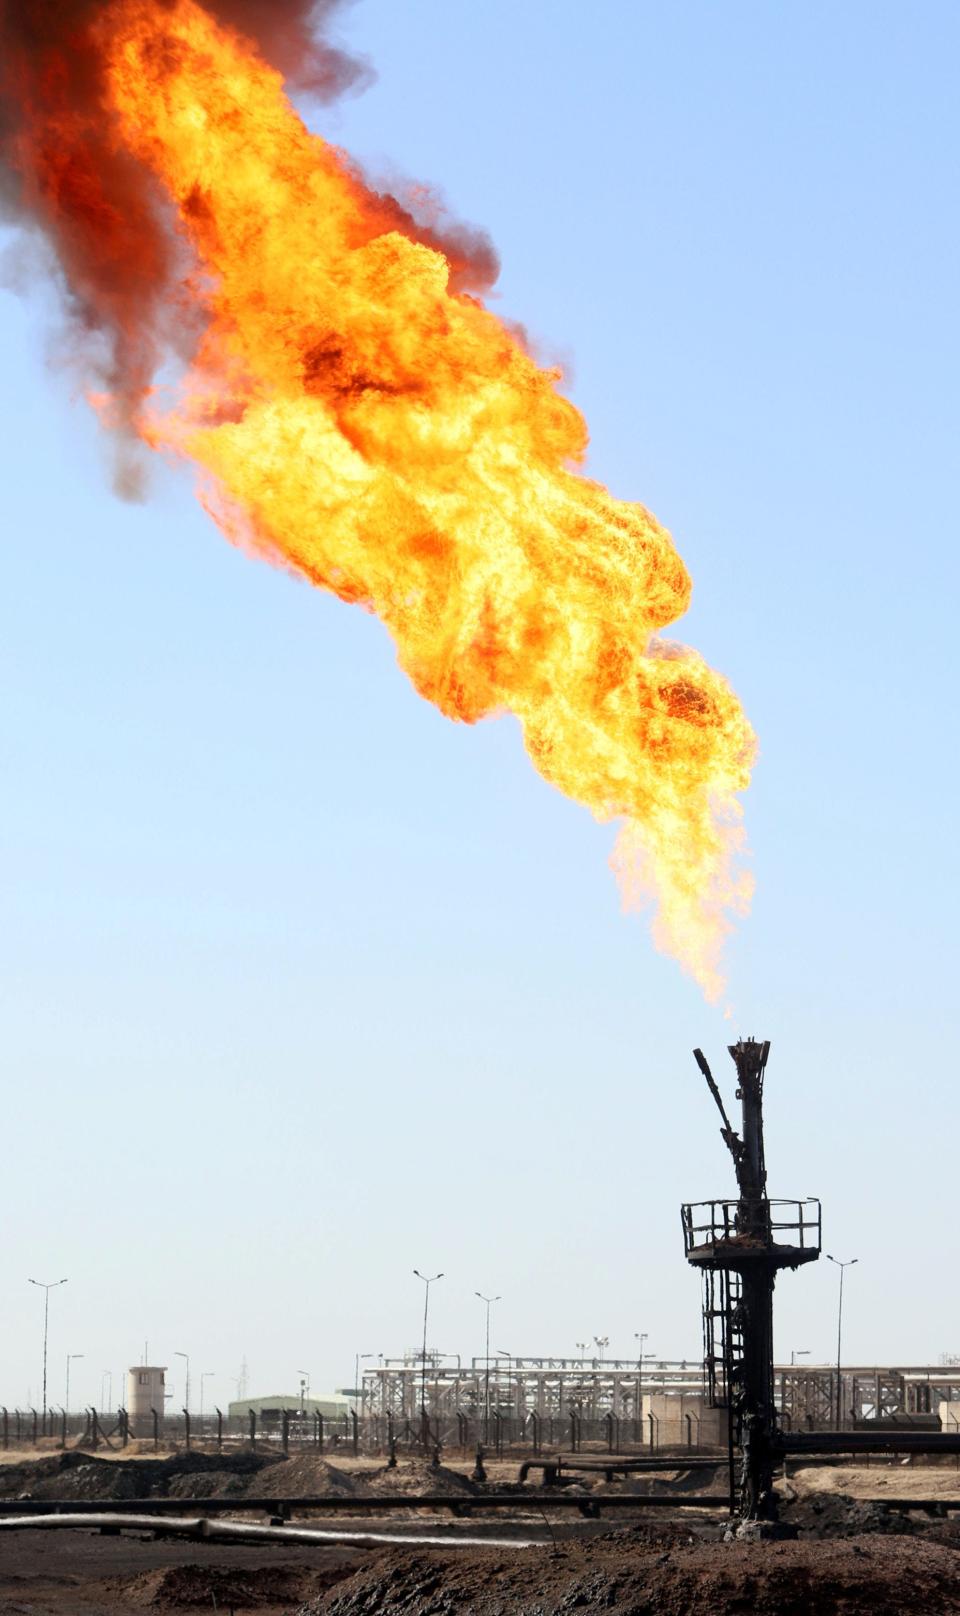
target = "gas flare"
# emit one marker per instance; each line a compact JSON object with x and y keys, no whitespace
{"x":359,"y":416}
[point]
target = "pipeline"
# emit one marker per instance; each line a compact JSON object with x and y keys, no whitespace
{"x":201,"y":1526}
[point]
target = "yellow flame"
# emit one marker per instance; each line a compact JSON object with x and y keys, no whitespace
{"x":394,"y":443}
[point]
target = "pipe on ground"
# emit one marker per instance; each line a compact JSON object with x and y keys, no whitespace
{"x":239,"y":1531}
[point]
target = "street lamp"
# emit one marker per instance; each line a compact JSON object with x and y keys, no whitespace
{"x":186,"y":1398}
{"x":488,"y":1302}
{"x":205,"y":1374}
{"x":601,"y":1341}
{"x":106,"y":1389}
{"x":358,"y":1359}
{"x":304,"y":1391}
{"x":46,"y":1319}
{"x":641,"y":1336}
{"x":70,"y":1358}
{"x":798,"y":1352}
{"x":581,"y":1347}
{"x":428,"y":1280}
{"x":841,"y":1265}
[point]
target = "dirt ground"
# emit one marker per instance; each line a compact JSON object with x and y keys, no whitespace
{"x":855,"y":1557}
{"x":84,"y":1574}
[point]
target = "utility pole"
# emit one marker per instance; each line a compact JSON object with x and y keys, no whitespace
{"x":46,"y":1320}
{"x":488,"y":1301}
{"x":841,"y":1265}
{"x":428,"y":1281}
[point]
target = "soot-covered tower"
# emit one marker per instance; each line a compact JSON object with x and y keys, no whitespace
{"x":740,"y":1246}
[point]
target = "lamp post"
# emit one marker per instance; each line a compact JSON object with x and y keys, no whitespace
{"x":106,"y":1389}
{"x":70,"y":1358}
{"x":500,"y":1353}
{"x":798,"y":1352}
{"x":46,"y":1319}
{"x":601,"y":1341}
{"x":358,"y":1359}
{"x":581,"y":1347}
{"x":186,"y":1396}
{"x":304,"y":1391}
{"x":205,"y":1374}
{"x":488,"y":1302}
{"x":428,"y":1280}
{"x":841,"y":1265}
{"x":641,"y":1336}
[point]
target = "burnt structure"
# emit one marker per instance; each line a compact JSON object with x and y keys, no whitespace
{"x":740,"y":1246}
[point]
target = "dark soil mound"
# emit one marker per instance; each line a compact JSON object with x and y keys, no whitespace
{"x":884,"y":1577}
{"x":188,"y":1587}
{"x":822,"y":1515}
{"x":304,"y":1476}
{"x":75,"y":1474}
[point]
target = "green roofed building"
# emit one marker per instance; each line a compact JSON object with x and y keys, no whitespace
{"x":269,"y":1410}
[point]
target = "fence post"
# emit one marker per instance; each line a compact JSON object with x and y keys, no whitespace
{"x":650,"y":1418}
{"x":63,"y":1427}
{"x":320,"y":1432}
{"x":252,"y":1414}
{"x":35,"y":1418}
{"x":94,"y":1429}
{"x":356,"y":1432}
{"x":608,"y":1421}
{"x":391,"y":1445}
{"x":479,"y":1474}
{"x":124,"y":1428}
{"x":535,"y":1431}
{"x":219,"y":1432}
{"x":6,"y":1429}
{"x":186,"y":1429}
{"x":156,"y":1428}
{"x":285,"y":1430}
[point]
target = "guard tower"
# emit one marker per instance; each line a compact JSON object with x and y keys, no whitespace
{"x":740,"y":1246}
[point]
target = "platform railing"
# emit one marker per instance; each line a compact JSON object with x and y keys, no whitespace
{"x":789,"y":1222}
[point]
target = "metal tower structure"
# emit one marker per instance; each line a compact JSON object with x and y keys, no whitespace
{"x":740,"y":1246}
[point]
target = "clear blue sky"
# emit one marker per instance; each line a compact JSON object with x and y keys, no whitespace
{"x":304,"y":986}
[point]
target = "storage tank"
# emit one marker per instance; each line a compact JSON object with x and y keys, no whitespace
{"x":146,"y":1385}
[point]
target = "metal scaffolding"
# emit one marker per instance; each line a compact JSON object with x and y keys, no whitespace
{"x":551,"y":1388}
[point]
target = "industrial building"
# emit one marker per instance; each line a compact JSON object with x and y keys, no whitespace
{"x":270,"y":1410}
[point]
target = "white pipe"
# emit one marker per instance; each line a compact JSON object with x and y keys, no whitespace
{"x":213,"y":1531}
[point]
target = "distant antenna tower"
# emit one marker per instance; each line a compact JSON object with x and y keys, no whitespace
{"x":243,"y":1380}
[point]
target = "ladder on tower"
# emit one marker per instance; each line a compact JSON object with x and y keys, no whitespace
{"x":722,"y":1336}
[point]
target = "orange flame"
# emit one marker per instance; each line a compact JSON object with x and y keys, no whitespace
{"x":390,"y":440}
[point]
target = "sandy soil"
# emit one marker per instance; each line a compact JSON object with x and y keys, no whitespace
{"x":879,"y":1480}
